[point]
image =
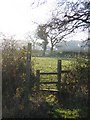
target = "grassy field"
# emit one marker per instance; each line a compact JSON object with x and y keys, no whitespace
{"x":45,"y":64}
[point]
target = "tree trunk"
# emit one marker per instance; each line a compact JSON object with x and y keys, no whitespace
{"x":44,"y":47}
{"x":43,"y":52}
{"x":52,"y":49}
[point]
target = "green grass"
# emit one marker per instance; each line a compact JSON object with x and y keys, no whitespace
{"x":66,"y":113}
{"x":45,"y":64}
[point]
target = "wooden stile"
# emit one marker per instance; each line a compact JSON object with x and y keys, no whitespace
{"x":58,"y":82}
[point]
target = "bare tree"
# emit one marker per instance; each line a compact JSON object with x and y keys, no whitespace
{"x":33,"y":39}
{"x":80,"y":13}
{"x":42,"y":34}
{"x":76,"y":13}
{"x":37,"y":3}
{"x":55,"y":30}
{"x":66,"y":18}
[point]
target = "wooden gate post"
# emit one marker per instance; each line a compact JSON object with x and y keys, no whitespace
{"x":28,"y":69}
{"x":59,"y":76}
{"x":28,"y":63}
{"x":38,"y":79}
{"x":27,"y":89}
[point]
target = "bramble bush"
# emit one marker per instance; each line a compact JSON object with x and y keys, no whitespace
{"x":13,"y":78}
{"x":75,"y":86}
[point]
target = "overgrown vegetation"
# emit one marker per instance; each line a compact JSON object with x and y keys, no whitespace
{"x":14,"y":84}
{"x":20,"y":103}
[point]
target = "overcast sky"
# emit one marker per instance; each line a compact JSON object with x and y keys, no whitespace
{"x":16,"y":17}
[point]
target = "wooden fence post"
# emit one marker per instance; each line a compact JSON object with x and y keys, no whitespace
{"x":28,"y":65}
{"x":59,"y":76}
{"x":38,"y":79}
{"x":27,"y":89}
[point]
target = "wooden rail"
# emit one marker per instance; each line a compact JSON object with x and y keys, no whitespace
{"x":50,"y":73}
{"x":50,"y":90}
{"x":54,"y":73}
{"x":48,"y":82}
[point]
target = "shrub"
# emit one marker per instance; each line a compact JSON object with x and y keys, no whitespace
{"x":75,"y":88}
{"x":14,"y":79}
